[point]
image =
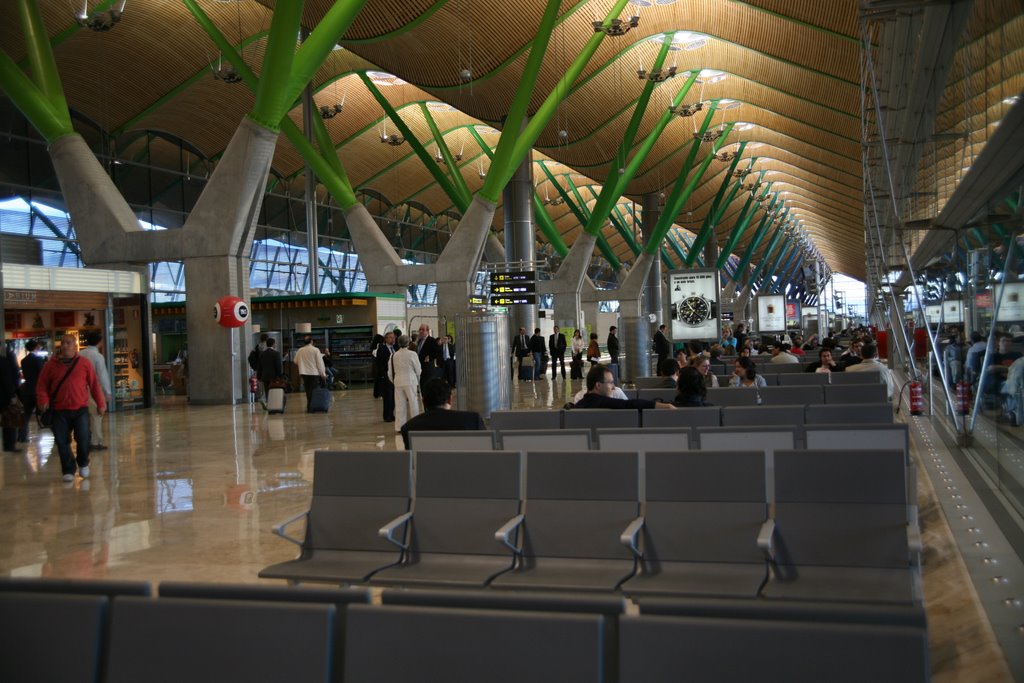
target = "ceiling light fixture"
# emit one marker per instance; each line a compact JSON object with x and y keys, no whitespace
{"x":225,"y":72}
{"x":100,"y":21}
{"x":656,"y":75}
{"x":617,"y":27}
{"x":708,"y":136}
{"x":686,"y":110}
{"x":727,"y":156}
{"x":327,"y":113}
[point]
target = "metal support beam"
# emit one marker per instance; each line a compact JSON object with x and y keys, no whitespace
{"x":449,"y":160}
{"x":717,"y":209}
{"x":743,"y":221}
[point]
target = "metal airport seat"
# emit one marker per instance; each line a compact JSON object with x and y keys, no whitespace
{"x":655,"y":649}
{"x":782,"y":368}
{"x":665,"y":394}
{"x":107,"y":587}
{"x":864,"y":436}
{"x":791,"y":396}
{"x":219,"y":640}
{"x":857,"y":393}
{"x":607,"y":603}
{"x":847,"y":378}
{"x":546,"y":439}
{"x":733,"y":396}
{"x":462,"y":499}
{"x":57,"y":638}
{"x":745,"y":416}
{"x":803,"y":379}
{"x":849,"y":413}
{"x":339,"y":597}
{"x":591,"y":418}
{"x":525,"y":419}
{"x":426,"y":645}
{"x":709,"y":416}
{"x":577,"y":507}
{"x":703,"y":514}
{"x":648,"y":382}
{"x":759,"y":437}
{"x":355,"y":493}
{"x":452,"y":441}
{"x":841,"y":528}
{"x":646,"y":439}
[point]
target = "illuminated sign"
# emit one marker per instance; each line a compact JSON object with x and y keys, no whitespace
{"x":513,"y":300}
{"x":517,"y":288}
{"x":515,"y":276}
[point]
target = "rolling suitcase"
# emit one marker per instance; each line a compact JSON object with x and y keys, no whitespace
{"x":275,"y":400}
{"x":320,"y":401}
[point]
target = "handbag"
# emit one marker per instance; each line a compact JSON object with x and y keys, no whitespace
{"x":527,"y":361}
{"x":13,"y":416}
{"x":281,"y":383}
{"x":46,"y":417}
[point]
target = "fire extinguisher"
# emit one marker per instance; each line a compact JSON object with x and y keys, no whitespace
{"x":963,"y":398}
{"x":254,"y":385}
{"x":916,"y":398}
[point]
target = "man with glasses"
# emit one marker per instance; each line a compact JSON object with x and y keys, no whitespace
{"x":601,"y":385}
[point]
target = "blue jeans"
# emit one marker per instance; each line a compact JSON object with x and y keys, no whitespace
{"x":538,"y":358}
{"x":64,"y":423}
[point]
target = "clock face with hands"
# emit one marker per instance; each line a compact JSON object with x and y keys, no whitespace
{"x":693,"y":310}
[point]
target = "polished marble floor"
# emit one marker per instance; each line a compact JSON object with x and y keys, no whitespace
{"x":190,"y":493}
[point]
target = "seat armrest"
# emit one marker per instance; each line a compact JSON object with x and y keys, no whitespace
{"x":766,"y":539}
{"x":504,"y":534}
{"x":388,"y":530}
{"x":914,"y":541}
{"x":279,"y":529}
{"x":630,"y":534}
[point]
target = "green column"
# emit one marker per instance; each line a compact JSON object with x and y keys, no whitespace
{"x":742,"y":223}
{"x":718,"y":208}
{"x":449,"y":159}
{"x":579,"y":210}
{"x":766,"y":254}
{"x":766,"y":222}
{"x":277,"y":64}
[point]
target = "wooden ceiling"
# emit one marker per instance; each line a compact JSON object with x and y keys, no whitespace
{"x":792,"y":65}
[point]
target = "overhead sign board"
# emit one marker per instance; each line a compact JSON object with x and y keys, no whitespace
{"x":514,"y":288}
{"x":514,"y":300}
{"x":515,"y":276}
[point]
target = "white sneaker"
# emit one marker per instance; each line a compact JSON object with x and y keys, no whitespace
{"x":68,"y":477}
{"x":84,"y":472}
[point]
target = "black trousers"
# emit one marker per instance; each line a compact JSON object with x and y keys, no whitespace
{"x":387,"y":390}
{"x":557,"y":360}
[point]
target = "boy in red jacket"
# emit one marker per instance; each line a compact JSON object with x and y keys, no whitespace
{"x":65,"y":384}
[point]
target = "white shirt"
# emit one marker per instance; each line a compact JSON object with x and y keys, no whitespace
{"x":616,"y":393}
{"x":99,"y":364}
{"x":784,"y":357}
{"x":875,"y":365}
{"x":404,"y":368}
{"x":309,"y":361}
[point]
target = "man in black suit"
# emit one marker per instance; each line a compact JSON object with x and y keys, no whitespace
{"x":439,"y":416}
{"x":387,"y":390}
{"x":556,"y":347}
{"x":428,"y":350}
{"x":447,"y":356}
{"x":520,"y":349}
{"x":661,"y":346}
{"x":613,"y":345}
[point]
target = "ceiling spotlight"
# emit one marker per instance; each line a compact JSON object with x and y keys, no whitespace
{"x":563,"y":135}
{"x":466,"y":75}
{"x":709,"y":136}
{"x":393,"y":139}
{"x":327,"y":113}
{"x":686,"y":109}
{"x":100,"y":21}
{"x":617,"y":27}
{"x":656,"y":75}
{"x":225,"y":72}
{"x":438,"y":157}
{"x":742,"y":172}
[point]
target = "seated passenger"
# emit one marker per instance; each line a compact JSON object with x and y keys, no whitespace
{"x":999,"y":363}
{"x":439,"y":416}
{"x":690,"y":390}
{"x":781,"y":354}
{"x":972,"y":365}
{"x":798,"y":345}
{"x":600,"y":389}
{"x":825,"y":363}
{"x":745,"y":374}
{"x":703,"y":365}
{"x":870,"y":363}
{"x":669,"y":371}
{"x":852,"y":355}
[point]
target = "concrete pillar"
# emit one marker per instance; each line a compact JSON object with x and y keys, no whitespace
{"x":217,"y":356}
{"x":635,"y":334}
{"x":652,"y":297}
{"x":520,"y":241}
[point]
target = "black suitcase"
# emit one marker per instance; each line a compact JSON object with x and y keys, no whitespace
{"x":320,"y":401}
{"x":526,"y":372}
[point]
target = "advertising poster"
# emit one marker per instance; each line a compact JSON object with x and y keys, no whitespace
{"x":693,"y":304}
{"x":953,"y":311}
{"x":933,"y":313}
{"x":771,"y":313}
{"x":1011,"y":307}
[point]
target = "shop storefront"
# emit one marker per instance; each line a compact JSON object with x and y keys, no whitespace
{"x":44,"y":304}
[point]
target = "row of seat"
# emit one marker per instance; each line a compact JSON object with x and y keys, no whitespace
{"x":680,"y":523}
{"x":708,"y":416}
{"x":263,"y":634}
{"x":768,"y":437}
{"x":828,"y":394}
{"x":790,"y":379}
